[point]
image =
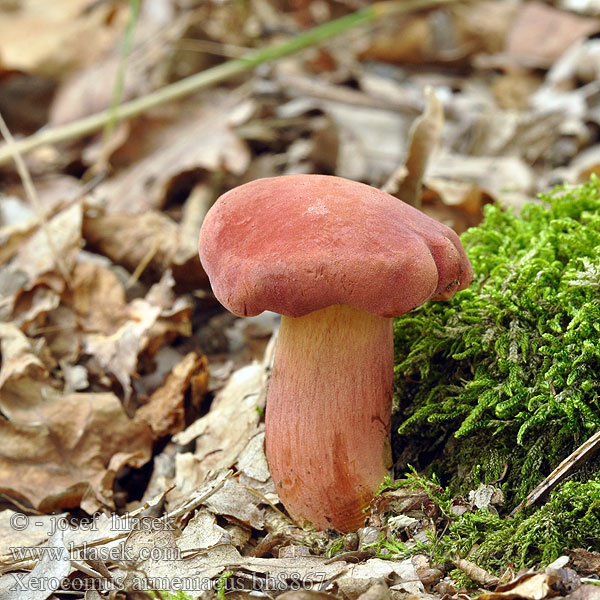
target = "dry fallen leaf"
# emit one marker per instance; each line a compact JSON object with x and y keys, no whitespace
{"x":531,"y":586}
{"x":357,"y":579}
{"x":57,"y":37}
{"x":98,"y":298}
{"x":238,"y":501}
{"x":541,"y":33}
{"x":477,"y":573}
{"x":44,"y":579}
{"x":425,"y":137}
{"x":179,"y":153}
{"x":37,"y":531}
{"x":56,"y":452}
{"x":149,"y":239}
{"x":185,"y":574}
{"x":485,"y":496}
{"x":460,"y":179}
{"x":19,"y":359}
{"x":117,"y":354}
{"x":584,"y":561}
{"x":585,"y":592}
{"x":58,"y":241}
{"x":165,"y":409}
{"x":252,"y":460}
{"x":146,"y":244}
{"x":428,"y":574}
{"x":202,"y":531}
{"x":226,"y":430}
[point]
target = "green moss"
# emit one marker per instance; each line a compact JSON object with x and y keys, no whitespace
{"x":171,"y":596}
{"x":570,"y":519}
{"x":534,"y":537}
{"x":222,"y":584}
{"x":510,"y":365}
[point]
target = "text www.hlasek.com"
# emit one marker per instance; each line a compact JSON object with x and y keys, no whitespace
{"x":104,"y":553}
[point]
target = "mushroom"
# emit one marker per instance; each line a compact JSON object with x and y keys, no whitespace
{"x":337,"y":259}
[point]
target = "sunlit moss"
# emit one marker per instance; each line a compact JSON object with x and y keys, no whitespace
{"x":510,"y":365}
{"x":570,"y":519}
{"x":534,"y":537}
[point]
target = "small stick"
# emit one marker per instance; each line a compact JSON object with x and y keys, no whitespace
{"x":569,"y":464}
{"x":476,"y":573}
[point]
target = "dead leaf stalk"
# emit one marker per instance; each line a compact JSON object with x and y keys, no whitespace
{"x":14,"y":152}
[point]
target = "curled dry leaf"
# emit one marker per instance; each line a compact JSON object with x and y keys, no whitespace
{"x":149,"y":239}
{"x":34,"y":304}
{"x":485,"y":496}
{"x":174,"y":317}
{"x":165,"y":410}
{"x":97,"y":297}
{"x":118,"y":353}
{"x":476,"y":573}
{"x":203,"y":139}
{"x":147,"y":244}
{"x":19,"y":359}
{"x":17,"y":222}
{"x":62,"y":335}
{"x":425,"y":137}
{"x":428,"y":574}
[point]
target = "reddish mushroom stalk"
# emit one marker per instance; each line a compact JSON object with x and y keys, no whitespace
{"x":328,"y":414}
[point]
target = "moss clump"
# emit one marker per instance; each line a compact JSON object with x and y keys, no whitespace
{"x":511,"y":364}
{"x":535,"y":536}
{"x":570,"y":519}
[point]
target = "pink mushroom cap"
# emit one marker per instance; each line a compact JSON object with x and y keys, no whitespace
{"x":298,"y":243}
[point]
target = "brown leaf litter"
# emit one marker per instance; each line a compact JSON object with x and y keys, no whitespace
{"x":106,"y":316}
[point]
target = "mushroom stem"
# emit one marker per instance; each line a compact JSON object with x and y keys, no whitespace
{"x":328,"y":414}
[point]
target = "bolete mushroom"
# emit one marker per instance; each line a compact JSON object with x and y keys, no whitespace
{"x":337,"y":259}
